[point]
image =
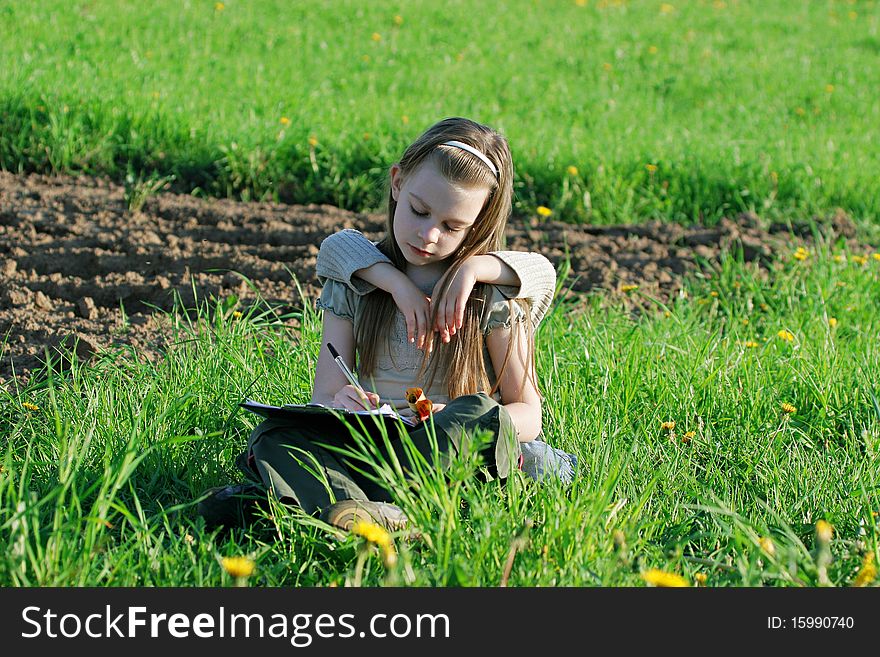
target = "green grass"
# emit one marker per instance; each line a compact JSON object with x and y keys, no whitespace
{"x":99,"y":474}
{"x":765,"y":106}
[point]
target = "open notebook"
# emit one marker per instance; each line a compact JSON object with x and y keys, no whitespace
{"x":323,"y":417}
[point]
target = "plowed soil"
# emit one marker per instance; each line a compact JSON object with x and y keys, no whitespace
{"x":77,"y":266}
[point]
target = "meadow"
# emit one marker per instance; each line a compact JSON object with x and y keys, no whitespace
{"x":616,"y":111}
{"x":729,"y":438}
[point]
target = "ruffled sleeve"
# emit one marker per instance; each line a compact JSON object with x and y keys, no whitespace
{"x":342,"y":254}
{"x":498,"y":313}
{"x":338,"y":299}
{"x":537,"y":280}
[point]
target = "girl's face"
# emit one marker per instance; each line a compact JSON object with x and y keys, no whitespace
{"x":433,"y":215}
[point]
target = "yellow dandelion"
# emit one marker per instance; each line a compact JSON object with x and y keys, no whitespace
{"x":156,"y":95}
{"x":840,"y":284}
{"x":860,"y":259}
{"x":580,"y":3}
{"x":868,"y":572}
{"x":29,"y":407}
{"x":236,"y":314}
{"x":219,"y":6}
{"x":313,"y":141}
{"x":398,"y":20}
{"x":737,"y":285}
{"x":372,"y":532}
{"x":829,"y":88}
{"x":788,"y":336}
{"x":376,"y":36}
{"x":573,"y":171}
{"x":544,"y":211}
{"x":404,"y":119}
{"x":788,"y":408}
{"x":607,"y":66}
{"x":667,"y":313}
{"x":666,"y":8}
{"x":713,"y":293}
{"x":767,"y":545}
{"x":751,"y":344}
{"x":800,"y":111}
{"x":719,"y":4}
{"x":688,"y":436}
{"x":652,"y":50}
{"x":774,"y":177}
{"x":238,"y":567}
{"x":652,"y":168}
{"x":744,"y":321}
{"x":661,"y":578}
{"x":669,"y":425}
{"x":824,"y":531}
{"x":832,"y":322}
{"x":876,"y":256}
{"x":839,"y":258}
{"x":801,"y":253}
{"x":284,"y":121}
{"x":628,"y":288}
{"x":764,"y":307}
{"x":700,"y":579}
{"x":366,"y":59}
{"x":189,"y":539}
{"x":852,"y":15}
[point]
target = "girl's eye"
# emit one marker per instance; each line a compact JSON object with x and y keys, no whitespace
{"x":417,"y":213}
{"x":451,"y":229}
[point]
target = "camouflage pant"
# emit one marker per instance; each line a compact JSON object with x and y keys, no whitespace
{"x":287,"y":458}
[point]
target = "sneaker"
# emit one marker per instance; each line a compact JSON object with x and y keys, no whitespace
{"x":230,"y":506}
{"x":345,"y":513}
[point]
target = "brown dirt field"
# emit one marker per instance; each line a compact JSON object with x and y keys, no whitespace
{"x":72,"y":257}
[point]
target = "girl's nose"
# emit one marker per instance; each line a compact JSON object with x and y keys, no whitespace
{"x":430,"y":234}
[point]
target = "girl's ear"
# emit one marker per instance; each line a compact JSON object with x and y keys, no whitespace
{"x":396,"y":181}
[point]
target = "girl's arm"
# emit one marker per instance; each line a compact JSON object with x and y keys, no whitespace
{"x":350,"y":258}
{"x":331,"y":387}
{"x":517,"y":379}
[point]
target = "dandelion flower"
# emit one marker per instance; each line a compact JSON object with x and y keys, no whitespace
{"x":829,"y":88}
{"x":313,"y":141}
{"x":744,"y":321}
{"x":767,"y":545}
{"x":544,"y":211}
{"x":868,"y":572}
{"x":700,"y":579}
{"x":607,"y":66}
{"x":688,"y":436}
{"x":838,"y":258}
{"x":713,"y":293}
{"x":824,"y":531}
{"x":652,"y":50}
{"x":800,"y":111}
{"x":284,"y":121}
{"x":573,"y":171}
{"x":876,"y":256}
{"x":788,"y":336}
{"x":628,"y":288}
{"x":801,"y":253}
{"x":405,"y":119}
{"x":860,"y":259}
{"x":651,"y":168}
{"x":832,"y":322}
{"x":666,"y":8}
{"x":669,"y":425}
{"x":663,"y":579}
{"x":788,"y":408}
{"x":398,"y":20}
{"x":219,"y":6}
{"x":236,"y":314}
{"x":238,"y":566}
{"x":29,"y":407}
{"x":751,"y":344}
{"x":372,"y":532}
{"x":376,"y":36}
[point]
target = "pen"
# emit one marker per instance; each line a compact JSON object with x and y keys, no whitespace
{"x":348,"y":375}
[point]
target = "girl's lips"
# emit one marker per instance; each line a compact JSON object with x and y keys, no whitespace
{"x":419,"y":252}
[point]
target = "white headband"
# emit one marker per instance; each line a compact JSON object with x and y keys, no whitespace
{"x":473,"y":151}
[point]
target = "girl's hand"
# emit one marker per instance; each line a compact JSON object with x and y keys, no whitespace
{"x":416,"y":308}
{"x":350,"y":398}
{"x":450,"y":307}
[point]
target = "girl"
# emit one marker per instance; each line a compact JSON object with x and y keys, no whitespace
{"x":433,"y":311}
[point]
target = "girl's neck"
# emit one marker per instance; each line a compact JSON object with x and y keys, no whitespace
{"x":426,"y":276}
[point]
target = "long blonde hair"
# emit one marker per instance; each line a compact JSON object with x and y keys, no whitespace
{"x":462,"y":358}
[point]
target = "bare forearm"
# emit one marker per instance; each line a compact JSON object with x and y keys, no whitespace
{"x":383,"y":275}
{"x":489,"y":269}
{"x":526,"y":418}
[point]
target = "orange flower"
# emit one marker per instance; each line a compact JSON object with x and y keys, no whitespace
{"x":423,"y":409}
